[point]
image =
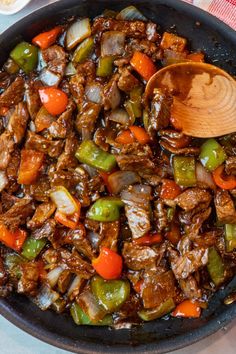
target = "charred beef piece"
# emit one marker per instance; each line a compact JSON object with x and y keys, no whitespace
{"x":37,"y":142}
{"x":29,"y":279}
{"x":193,"y":197}
{"x":67,"y":158}
{"x":6,"y":148}
{"x":137,"y":208}
{"x":207,"y":239}
{"x":190,"y":288}
{"x":13,"y":94}
{"x":135,"y":163}
{"x":32,"y":97}
{"x":157,"y":288}
{"x":127,"y":81}
{"x":18,"y":213}
{"x":55,"y":59}
{"x":18,"y":122}
{"x":225,"y":208}
{"x":40,"y":190}
{"x":160,"y":214}
{"x":42,"y":213}
{"x":193,"y":220}
{"x":109,"y":232}
{"x":67,"y":178}
{"x":60,"y":128}
{"x":76,"y":264}
{"x":190,"y":262}
{"x":81,"y":243}
{"x":47,"y":230}
{"x":139,"y":257}
{"x":86,"y":119}
{"x":146,"y":46}
{"x":230,"y":165}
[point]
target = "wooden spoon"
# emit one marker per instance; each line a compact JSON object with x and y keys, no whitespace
{"x":204,"y":95}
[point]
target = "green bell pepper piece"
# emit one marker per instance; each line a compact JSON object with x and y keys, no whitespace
{"x":105,"y":209}
{"x":184,"y":171}
{"x":158,"y":312}
{"x":230,"y":237}
{"x":94,"y":156}
{"x":26,"y":56}
{"x":33,"y":247}
{"x":83,"y":50}
{"x":215,"y":266}
{"x":80,"y":317}
{"x":105,"y":66}
{"x":212,"y":154}
{"x":146,"y":120}
{"x":13,"y":262}
{"x":111,"y":294}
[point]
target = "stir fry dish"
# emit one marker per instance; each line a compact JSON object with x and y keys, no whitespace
{"x":108,"y":212}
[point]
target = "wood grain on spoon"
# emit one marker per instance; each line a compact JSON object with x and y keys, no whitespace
{"x":204,"y":102}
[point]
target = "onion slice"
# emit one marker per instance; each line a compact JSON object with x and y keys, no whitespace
{"x":94,"y":92}
{"x":75,"y":287}
{"x":45,"y":297}
{"x":130,"y":13}
{"x":78,"y":31}
{"x":119,"y":115}
{"x":70,"y":69}
{"x":113,"y":43}
{"x":64,"y":201}
{"x":3,"y":180}
{"x":121,"y":179}
{"x":204,"y":178}
{"x":53,"y":276}
{"x":49,"y":78}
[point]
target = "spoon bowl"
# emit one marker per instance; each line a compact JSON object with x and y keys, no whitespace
{"x":204,"y":98}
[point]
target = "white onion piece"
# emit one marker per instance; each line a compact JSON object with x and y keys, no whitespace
{"x":49,"y":78}
{"x":75,"y":286}
{"x":95,"y":239}
{"x":94,"y":92}
{"x":138,"y":194}
{"x":113,"y":95}
{"x":121,"y":179}
{"x":119,"y":115}
{"x":64,"y":201}
{"x":45,"y":297}
{"x":113,"y":43}
{"x":90,"y":305}
{"x":78,"y":31}
{"x":204,"y":178}
{"x":53,"y":276}
{"x":70,"y":70}
{"x":41,"y":62}
{"x":3,"y":180}
{"x":91,"y":171}
{"x":130,"y":13}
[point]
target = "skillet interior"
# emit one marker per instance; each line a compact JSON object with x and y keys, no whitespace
{"x":218,"y":42}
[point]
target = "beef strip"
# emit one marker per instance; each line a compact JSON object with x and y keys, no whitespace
{"x":37,"y":142}
{"x":29,"y":279}
{"x":5,"y":80}
{"x":60,"y":128}
{"x":157,"y":288}
{"x":6,"y":148}
{"x":110,"y":233}
{"x":112,"y":96}
{"x":47,"y":230}
{"x":18,"y":122}
{"x":67,"y":178}
{"x":32,"y":97}
{"x":12,"y":171}
{"x":139,"y":257}
{"x":193,"y":197}
{"x":143,"y":45}
{"x":135,"y":163}
{"x":191,"y":150}
{"x":190,"y":262}
{"x":86,"y":119}
{"x":76,"y":264}
{"x":13,"y":94}
{"x":127,"y":81}
{"x":55,"y":59}
{"x":160,"y":215}
{"x":42,"y":213}
{"x":18,"y":213}
{"x":230,"y":165}
{"x":137,"y":209}
{"x":194,"y":221}
{"x":40,"y":189}
{"x":225,"y":208}
{"x":190,"y":288}
{"x":81,"y":243}
{"x":67,"y":159}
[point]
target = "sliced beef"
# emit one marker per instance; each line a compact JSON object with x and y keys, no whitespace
{"x":81,"y":243}
{"x":67,"y":159}
{"x":77,"y":89}
{"x":110,"y":233}
{"x":86,"y":119}
{"x":32,"y":97}
{"x":13,"y":94}
{"x":5,"y":80}
{"x":193,"y":197}
{"x":18,"y":122}
{"x":207,"y":239}
{"x":191,"y":150}
{"x":60,"y":128}
{"x":76,"y":264}
{"x":160,"y":214}
{"x":40,"y":190}
{"x":18,"y":213}
{"x":194,"y":219}
{"x":112,"y":96}
{"x":28,"y":282}
{"x":47,"y":230}
{"x":67,"y":178}
{"x":190,"y":262}
{"x":6,"y":148}
{"x":7,"y":201}
{"x":146,"y":46}
{"x":139,"y":257}
{"x":127,"y":81}
{"x":225,"y":208}
{"x":42,"y":213}
{"x":55,"y":59}
{"x":137,"y":209}
{"x":37,"y":142}
{"x":135,"y":163}
{"x":230,"y":165}
{"x":190,"y":288}
{"x":157,"y":288}
{"x":12,"y":171}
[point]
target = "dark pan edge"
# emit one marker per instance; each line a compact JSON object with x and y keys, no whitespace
{"x":166,"y":345}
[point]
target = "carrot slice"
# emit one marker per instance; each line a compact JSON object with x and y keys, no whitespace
{"x":46,"y":39}
{"x":140,"y":134}
{"x":187,"y":309}
{"x":143,"y":65}
{"x":125,"y":137}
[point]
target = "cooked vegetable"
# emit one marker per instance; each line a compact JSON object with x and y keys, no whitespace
{"x":78,"y":31}
{"x":184,"y":171}
{"x":70,"y":69}
{"x":30,"y":164}
{"x":53,"y":276}
{"x":105,"y":65}
{"x":46,"y":39}
{"x":64,"y":201}
{"x":108,"y":264}
{"x":169,"y":189}
{"x":111,"y":294}
{"x":105,"y":209}
{"x":215,"y":266}
{"x":43,"y":119}
{"x":11,"y":239}
{"x":187,"y":309}
{"x":165,"y":308}
{"x":112,"y":43}
{"x":54,"y":100}
{"x":149,"y":239}
{"x":32,"y":247}
{"x":121,"y":179}
{"x":223,"y":181}
{"x":45,"y":297}
{"x":83,"y":51}
{"x":80,"y":317}
{"x":26,"y":56}
{"x":204,"y":177}
{"x":11,"y":67}
{"x":120,"y":116}
{"x":136,"y":101}
{"x":212,"y":154}
{"x":174,"y":42}
{"x":125,"y":137}
{"x":92,"y":155}
{"x":3,"y":180}
{"x":94,"y":92}
{"x":131,"y":13}
{"x":140,"y":134}
{"x":230,"y":237}
{"x":143,"y":65}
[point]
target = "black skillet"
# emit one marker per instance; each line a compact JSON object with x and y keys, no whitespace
{"x":218,"y":41}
